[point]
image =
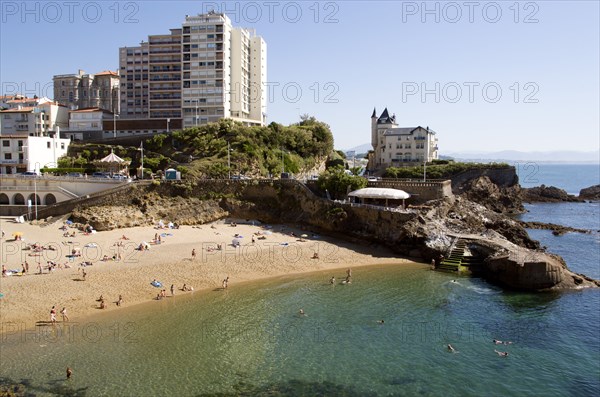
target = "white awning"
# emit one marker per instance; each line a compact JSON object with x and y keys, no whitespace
{"x":380,"y":193}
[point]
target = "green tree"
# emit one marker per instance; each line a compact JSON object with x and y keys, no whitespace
{"x":339,"y":183}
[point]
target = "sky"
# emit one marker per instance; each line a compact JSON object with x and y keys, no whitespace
{"x":486,"y":76}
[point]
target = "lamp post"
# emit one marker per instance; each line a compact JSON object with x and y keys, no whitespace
{"x":115,"y":125}
{"x":142,"y":150}
{"x":168,"y":121}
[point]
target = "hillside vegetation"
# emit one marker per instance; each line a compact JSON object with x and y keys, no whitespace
{"x":202,"y":151}
{"x":440,"y":169}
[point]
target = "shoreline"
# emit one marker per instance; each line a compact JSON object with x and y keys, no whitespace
{"x":28,"y":299}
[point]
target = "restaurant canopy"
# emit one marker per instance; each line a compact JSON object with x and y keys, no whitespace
{"x":380,"y":193}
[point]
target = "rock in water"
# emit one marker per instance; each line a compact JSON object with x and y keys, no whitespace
{"x":590,"y":193}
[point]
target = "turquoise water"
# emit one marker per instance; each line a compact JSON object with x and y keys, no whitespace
{"x":251,"y":341}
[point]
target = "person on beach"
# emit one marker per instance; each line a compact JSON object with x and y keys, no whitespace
{"x":501,"y":354}
{"x":63,"y":312}
{"x":83,"y":273}
{"x":348,"y":273}
{"x":102,"y":304}
{"x":225,"y":282}
{"x":26,"y":267}
{"x":193,"y":253}
{"x":69,"y":373}
{"x":172,"y":289}
{"x":3,"y":271}
{"x":120,"y":301}
{"x":53,"y":315}
{"x":332,"y":280}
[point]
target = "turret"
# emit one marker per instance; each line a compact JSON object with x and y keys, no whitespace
{"x":374,"y":129}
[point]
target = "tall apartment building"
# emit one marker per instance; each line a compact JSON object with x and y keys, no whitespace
{"x":205,"y":71}
{"x":133,"y":68}
{"x":84,"y":90}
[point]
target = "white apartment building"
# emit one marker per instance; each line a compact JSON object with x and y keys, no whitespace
{"x":30,"y":153}
{"x":90,"y":119}
{"x":202,"y":72}
{"x":37,"y":119}
{"x":224,"y":72}
{"x":395,"y":146}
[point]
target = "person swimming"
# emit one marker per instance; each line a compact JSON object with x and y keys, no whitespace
{"x":501,"y":354}
{"x":451,"y":348}
{"x":497,"y":342}
{"x":332,"y":280}
{"x":301,"y":312}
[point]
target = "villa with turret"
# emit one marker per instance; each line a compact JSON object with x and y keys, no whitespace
{"x":395,"y":146}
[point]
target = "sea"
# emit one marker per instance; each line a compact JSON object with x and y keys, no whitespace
{"x":386,"y":334}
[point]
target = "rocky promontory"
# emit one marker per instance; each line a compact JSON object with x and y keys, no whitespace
{"x":547,"y":194}
{"x":590,"y":193}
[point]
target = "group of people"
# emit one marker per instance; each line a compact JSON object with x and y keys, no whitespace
{"x":451,"y":348}
{"x":63,"y":312}
{"x":102,"y":301}
{"x":347,"y":280}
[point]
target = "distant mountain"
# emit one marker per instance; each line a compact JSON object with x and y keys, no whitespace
{"x":364,"y":148}
{"x":563,"y":156}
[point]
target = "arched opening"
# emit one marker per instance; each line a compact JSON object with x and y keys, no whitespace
{"x":35,"y":199}
{"x":4,"y":199}
{"x":18,"y":199}
{"x":50,"y":199}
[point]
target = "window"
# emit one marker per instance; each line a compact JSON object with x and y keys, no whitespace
{"x":20,"y":143}
{"x":62,"y":145}
{"x":7,"y":156}
{"x":48,"y":145}
{"x":5,"y":143}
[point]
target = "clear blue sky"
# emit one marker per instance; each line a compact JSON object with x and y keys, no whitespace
{"x":348,"y":57}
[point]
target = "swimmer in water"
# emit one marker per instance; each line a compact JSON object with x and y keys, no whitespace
{"x":501,"y":354}
{"x":301,"y":312}
{"x":451,"y":349}
{"x":332,"y":280}
{"x":380,"y":322}
{"x":497,"y":342}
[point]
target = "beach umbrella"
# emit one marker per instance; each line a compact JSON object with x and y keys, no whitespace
{"x":235,"y":242}
{"x":304,"y":236}
{"x":18,"y":234}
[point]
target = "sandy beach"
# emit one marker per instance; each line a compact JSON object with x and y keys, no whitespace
{"x":277,"y":249}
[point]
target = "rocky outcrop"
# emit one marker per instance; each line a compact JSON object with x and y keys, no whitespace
{"x":547,"y":194}
{"x":524,"y":269}
{"x":590,"y":193}
{"x":557,"y":230}
{"x":501,"y":199}
{"x":148,"y":209}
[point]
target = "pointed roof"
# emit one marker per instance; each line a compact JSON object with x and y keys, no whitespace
{"x":374,"y":115}
{"x":385,"y":118}
{"x":112,"y":158}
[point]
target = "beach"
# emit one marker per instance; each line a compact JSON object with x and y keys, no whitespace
{"x":127,"y":271}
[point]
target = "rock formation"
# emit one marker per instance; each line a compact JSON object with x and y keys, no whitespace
{"x":590,"y":193}
{"x":547,"y":194}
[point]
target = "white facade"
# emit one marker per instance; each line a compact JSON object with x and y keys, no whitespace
{"x":38,"y":120}
{"x":205,"y":71}
{"x":394,"y":146}
{"x":88,"y":119}
{"x":30,"y":153}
